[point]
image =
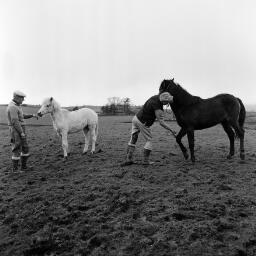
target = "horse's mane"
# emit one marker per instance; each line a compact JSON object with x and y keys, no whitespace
{"x":181,"y":96}
{"x":52,"y":101}
{"x":184,"y":97}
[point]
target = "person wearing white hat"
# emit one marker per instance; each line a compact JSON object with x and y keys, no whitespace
{"x":143,"y":120}
{"x":15,"y":117}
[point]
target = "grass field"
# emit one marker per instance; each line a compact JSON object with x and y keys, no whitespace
{"x":89,"y":205}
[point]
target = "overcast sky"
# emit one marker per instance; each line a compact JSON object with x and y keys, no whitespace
{"x":84,"y":51}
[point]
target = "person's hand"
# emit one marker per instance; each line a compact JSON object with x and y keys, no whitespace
{"x":23,"y":135}
{"x":36,"y":116}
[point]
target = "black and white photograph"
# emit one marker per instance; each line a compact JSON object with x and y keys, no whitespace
{"x":127,"y":128}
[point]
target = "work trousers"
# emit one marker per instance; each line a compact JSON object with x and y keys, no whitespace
{"x":19,"y":145}
{"x":138,"y":126}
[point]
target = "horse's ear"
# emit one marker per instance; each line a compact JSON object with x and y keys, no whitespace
{"x":172,"y":79}
{"x":51,"y":99}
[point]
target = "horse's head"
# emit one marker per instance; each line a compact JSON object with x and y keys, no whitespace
{"x":46,"y":107}
{"x":166,"y":86}
{"x":180,"y":96}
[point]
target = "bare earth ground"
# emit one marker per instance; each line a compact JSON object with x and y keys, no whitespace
{"x":90,"y":205}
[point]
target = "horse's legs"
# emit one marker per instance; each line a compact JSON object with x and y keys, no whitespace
{"x":240,"y":133}
{"x":86,"y":139}
{"x":231,"y":135}
{"x":93,"y":133}
{"x":242,"y":154}
{"x":181,"y":134}
{"x":64,"y":137}
{"x":191,"y":142}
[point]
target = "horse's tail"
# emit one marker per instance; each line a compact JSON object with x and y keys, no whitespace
{"x":97,"y":130}
{"x":242,"y":114}
{"x":99,"y":139}
{"x":239,"y":130}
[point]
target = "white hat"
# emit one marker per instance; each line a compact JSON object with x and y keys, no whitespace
{"x":19,"y":93}
{"x":165,"y":96}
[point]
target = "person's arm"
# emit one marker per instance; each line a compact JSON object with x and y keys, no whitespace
{"x":27,"y":116}
{"x":160,"y":117}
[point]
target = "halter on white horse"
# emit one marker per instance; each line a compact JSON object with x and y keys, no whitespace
{"x":65,"y":122}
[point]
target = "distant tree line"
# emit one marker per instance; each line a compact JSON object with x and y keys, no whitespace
{"x":117,"y":106}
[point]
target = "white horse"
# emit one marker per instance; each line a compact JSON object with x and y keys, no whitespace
{"x":65,"y":121}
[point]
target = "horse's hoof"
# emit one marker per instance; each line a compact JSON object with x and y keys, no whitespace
{"x":186,"y":156}
{"x":242,"y":156}
{"x":65,"y":158}
{"x":147,"y":163}
{"x":193,"y":159}
{"x":126,"y":163}
{"x":84,"y":153}
{"x":229,"y":156}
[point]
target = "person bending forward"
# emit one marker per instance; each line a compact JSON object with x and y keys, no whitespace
{"x":141,"y":123}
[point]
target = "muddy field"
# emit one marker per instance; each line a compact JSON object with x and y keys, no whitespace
{"x":89,"y":205}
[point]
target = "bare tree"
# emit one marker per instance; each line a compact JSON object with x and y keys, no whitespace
{"x":114,"y":100}
{"x":117,"y":105}
{"x":127,"y":104}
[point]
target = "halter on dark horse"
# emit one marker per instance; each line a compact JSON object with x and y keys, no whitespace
{"x":193,"y":113}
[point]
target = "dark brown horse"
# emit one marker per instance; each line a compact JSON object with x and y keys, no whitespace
{"x":193,"y":113}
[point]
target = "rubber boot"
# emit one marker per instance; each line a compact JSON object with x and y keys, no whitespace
{"x":146,"y":157}
{"x":15,"y":166}
{"x":129,"y":156}
{"x":24,"y":166}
